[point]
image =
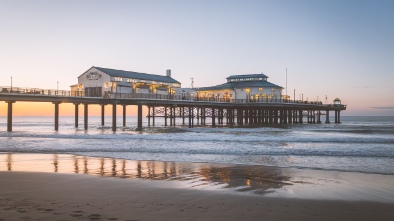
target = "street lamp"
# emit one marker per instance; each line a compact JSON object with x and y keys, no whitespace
{"x":294,"y":96}
{"x":11,"y":84}
{"x":57,"y":88}
{"x":286,"y":83}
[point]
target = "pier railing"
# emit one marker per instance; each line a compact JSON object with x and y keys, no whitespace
{"x":108,"y":95}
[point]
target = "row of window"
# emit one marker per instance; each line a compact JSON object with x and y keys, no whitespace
{"x":260,"y":89}
{"x":247,"y":79}
{"x":119,"y":79}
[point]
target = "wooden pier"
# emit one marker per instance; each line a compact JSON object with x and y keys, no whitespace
{"x":189,"y":112}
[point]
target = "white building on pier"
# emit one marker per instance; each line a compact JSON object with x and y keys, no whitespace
{"x":99,"y":82}
{"x":253,"y":87}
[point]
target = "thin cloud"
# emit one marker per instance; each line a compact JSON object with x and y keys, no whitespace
{"x":365,"y":86}
{"x":385,"y":108}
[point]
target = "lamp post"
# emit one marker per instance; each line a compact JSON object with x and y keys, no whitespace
{"x":294,"y":95}
{"x":286,"y":83}
{"x":11,"y":84}
{"x":57,"y":88}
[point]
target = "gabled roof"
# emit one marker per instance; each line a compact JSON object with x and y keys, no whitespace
{"x":137,"y":75}
{"x":242,"y":84}
{"x":248,"y":76}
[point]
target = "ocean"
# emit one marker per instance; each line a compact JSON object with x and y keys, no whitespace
{"x":358,"y":144}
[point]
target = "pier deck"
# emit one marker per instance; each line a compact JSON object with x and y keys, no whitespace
{"x":220,"y":111}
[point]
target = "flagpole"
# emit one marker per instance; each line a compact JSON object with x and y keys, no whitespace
{"x":286,"y":83}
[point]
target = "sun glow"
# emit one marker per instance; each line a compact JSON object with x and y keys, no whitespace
{"x":66,"y":109}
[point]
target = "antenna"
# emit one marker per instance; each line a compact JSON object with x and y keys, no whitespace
{"x":286,"y":83}
{"x":192,"y":84}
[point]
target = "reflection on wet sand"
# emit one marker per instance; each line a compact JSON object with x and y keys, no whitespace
{"x":9,"y":162}
{"x":257,"y":179}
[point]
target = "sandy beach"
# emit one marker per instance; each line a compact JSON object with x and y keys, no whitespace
{"x":73,"y":196}
{"x":43,"y":196}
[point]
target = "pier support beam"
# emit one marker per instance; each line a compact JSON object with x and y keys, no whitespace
{"x":102,"y":114}
{"x":9,"y":116}
{"x":183,"y":115}
{"x":124,"y":115}
{"x":165,"y":116}
{"x":174,"y":118}
{"x":149,"y":116}
{"x":153,"y":113}
{"x":190,"y":117}
{"x":271,"y":116}
{"x":275,"y":116}
{"x":76,"y":113}
{"x":213,"y":117}
{"x":327,"y":116}
{"x":56,"y":115}
{"x":339,"y":117}
{"x":85,"y":116}
{"x":285,"y":116}
{"x":139,"y":128}
{"x":113,"y":117}
{"x":240,"y":116}
{"x":246,"y":116}
{"x":300,"y":117}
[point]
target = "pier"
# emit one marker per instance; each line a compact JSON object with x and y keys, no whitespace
{"x":180,"y":110}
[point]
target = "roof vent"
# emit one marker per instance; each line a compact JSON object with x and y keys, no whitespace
{"x":168,"y":73}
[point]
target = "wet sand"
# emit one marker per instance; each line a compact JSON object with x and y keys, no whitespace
{"x":66,"y":187}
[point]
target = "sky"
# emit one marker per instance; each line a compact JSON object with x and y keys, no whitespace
{"x":339,"y":49}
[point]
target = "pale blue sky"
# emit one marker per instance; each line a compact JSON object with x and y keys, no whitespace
{"x":340,"y":49}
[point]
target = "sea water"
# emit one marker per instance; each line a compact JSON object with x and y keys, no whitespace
{"x":358,"y":144}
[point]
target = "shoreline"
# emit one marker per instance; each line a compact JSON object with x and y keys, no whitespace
{"x":71,"y":187}
{"x":266,"y":181}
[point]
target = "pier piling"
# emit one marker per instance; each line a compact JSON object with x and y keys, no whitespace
{"x":56,"y":116}
{"x":124,"y":115}
{"x":113,"y":117}
{"x":85,"y":116}
{"x":9,"y":116}
{"x":102,"y":114}
{"x":327,"y":117}
{"x":76,"y":114}
{"x":139,"y":127}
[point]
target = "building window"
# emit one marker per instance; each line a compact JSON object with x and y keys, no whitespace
{"x":260,"y":89}
{"x":273,"y":89}
{"x":130,"y":80}
{"x":118,"y":79}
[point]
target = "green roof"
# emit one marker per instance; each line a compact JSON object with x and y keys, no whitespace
{"x":137,"y":75}
{"x":243,"y":84}
{"x":248,"y":76}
